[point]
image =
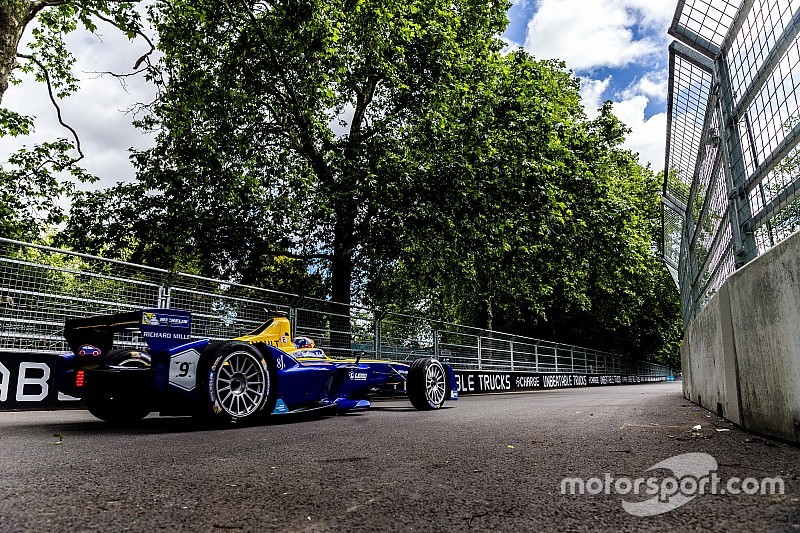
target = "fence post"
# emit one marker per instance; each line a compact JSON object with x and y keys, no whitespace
{"x":377,"y":334}
{"x":512,"y":353}
{"x":536,"y":355}
{"x":556,"y":357}
{"x":436,"y":350}
{"x":163,"y":297}
{"x":742,"y":235}
{"x":293,"y":321}
{"x":572,"y":359}
{"x":480,"y":365}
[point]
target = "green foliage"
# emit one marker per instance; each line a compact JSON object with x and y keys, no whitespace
{"x":535,"y":222}
{"x":285,"y":274}
{"x":489,"y":159}
{"x":49,"y":54}
{"x":249,"y":156}
{"x":787,"y":220}
{"x":30,"y":189}
{"x":13,"y":124}
{"x":35,"y":180}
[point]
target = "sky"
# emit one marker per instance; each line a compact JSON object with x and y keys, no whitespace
{"x":618,"y":48}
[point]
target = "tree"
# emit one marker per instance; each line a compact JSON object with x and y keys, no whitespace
{"x":391,"y":146}
{"x":536,"y":222}
{"x":305,"y":104}
{"x":485,"y":237}
{"x":49,"y":56}
{"x":29,"y":189}
{"x":629,"y":303}
{"x":34,"y":178}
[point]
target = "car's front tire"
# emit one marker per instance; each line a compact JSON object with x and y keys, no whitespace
{"x":427,"y":384}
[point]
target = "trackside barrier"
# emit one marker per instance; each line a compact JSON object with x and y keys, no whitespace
{"x":40,"y":287}
{"x":731,"y":187}
{"x":26,"y":382}
{"x":489,"y":382}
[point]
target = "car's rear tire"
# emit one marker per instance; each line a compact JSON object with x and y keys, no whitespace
{"x":127,"y":358}
{"x":120,"y":407}
{"x":427,"y":384}
{"x":236,"y":384}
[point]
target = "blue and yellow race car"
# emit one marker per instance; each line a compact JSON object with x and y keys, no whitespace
{"x":245,"y":379}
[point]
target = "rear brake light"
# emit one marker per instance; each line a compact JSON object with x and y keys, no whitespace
{"x":79,"y":378}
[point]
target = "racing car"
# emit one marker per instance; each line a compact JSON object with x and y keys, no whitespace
{"x":249,"y":378}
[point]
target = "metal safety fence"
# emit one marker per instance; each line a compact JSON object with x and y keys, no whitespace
{"x":732,"y":170}
{"x":40,"y":287}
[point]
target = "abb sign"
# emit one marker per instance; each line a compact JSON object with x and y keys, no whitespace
{"x":26,"y":382}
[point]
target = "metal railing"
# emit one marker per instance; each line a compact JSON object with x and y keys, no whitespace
{"x":732,"y":162}
{"x":40,"y":287}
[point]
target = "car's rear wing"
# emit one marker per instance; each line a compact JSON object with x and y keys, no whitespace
{"x":160,"y":328}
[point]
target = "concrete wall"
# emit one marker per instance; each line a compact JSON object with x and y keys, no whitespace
{"x":741,"y":355}
{"x":709,"y":371}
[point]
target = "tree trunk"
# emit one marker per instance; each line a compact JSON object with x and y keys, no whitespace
{"x":341,"y":281}
{"x":342,"y":264}
{"x":14,"y":17}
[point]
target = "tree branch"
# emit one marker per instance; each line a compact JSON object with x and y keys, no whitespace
{"x":400,"y":105}
{"x":302,"y":257}
{"x":305,"y":141}
{"x":120,"y":77}
{"x":144,"y":57}
{"x":37,"y":6}
{"x":363,"y":99}
{"x":55,"y":103}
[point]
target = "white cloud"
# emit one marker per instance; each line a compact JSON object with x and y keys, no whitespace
{"x":509,"y":46}
{"x":98,"y":110}
{"x":592,"y":34}
{"x":655,"y":13}
{"x":592,"y":92}
{"x":340,"y":123}
{"x":648,"y":135}
{"x":588,"y":34}
{"x":653,"y":85}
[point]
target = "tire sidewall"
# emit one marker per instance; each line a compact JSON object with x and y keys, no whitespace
{"x":431,"y":403}
{"x":212,"y":407}
{"x":417,"y":384}
{"x":122,"y":408}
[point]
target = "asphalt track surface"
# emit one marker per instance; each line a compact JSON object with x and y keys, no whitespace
{"x":486,"y":463}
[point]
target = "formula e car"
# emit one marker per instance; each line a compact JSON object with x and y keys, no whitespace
{"x":249,"y":378}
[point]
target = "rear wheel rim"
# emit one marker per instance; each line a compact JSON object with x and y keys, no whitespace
{"x":241,"y":384}
{"x":435,"y":384}
{"x":133,"y":362}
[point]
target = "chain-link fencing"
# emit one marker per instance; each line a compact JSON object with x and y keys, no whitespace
{"x":40,"y":287}
{"x":733,"y":124}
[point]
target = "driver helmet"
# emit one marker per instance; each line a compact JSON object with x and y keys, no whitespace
{"x":303,"y":342}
